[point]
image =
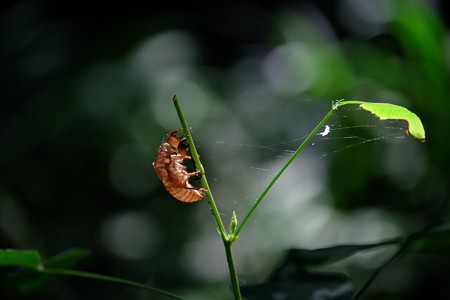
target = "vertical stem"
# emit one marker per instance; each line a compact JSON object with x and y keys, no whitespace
{"x":200,"y":168}
{"x":233,"y":274}
{"x":212,"y":203}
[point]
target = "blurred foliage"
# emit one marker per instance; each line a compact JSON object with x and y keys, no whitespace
{"x":86,"y":102}
{"x":29,"y":280}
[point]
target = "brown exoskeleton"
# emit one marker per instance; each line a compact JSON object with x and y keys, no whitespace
{"x":168,"y":166}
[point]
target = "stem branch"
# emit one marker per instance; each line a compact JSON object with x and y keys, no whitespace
{"x":272,"y":182}
{"x":74,"y":273}
{"x":374,"y":275}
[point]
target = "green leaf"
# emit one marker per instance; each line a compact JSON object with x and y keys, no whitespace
{"x":28,"y":281}
{"x":387,"y":111}
{"x":432,"y":240}
{"x":68,"y":259}
{"x":305,"y":257}
{"x":20,"y":258}
{"x":290,"y":282}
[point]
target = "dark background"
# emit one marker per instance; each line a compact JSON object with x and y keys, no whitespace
{"x":86,"y":100}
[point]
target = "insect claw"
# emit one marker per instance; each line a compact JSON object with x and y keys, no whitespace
{"x":197,"y":176}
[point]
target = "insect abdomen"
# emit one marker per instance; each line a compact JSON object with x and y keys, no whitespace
{"x":186,"y":195}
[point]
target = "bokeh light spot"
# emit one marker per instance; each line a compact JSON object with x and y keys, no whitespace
{"x":290,"y":69}
{"x":130,"y":235}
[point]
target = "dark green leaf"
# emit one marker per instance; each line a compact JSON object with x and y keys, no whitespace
{"x":25,"y":281}
{"x":304,"y":257}
{"x":291,"y":281}
{"x":292,"y":284}
{"x":19,"y":258}
{"x":28,"y":281}
{"x":68,"y":259}
{"x":433,"y":240}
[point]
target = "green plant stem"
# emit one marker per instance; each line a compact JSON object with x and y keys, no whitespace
{"x":212,"y":204}
{"x":233,"y":274}
{"x":74,"y":273}
{"x":200,"y":168}
{"x":272,"y":182}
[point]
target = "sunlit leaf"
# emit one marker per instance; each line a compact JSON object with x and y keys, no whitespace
{"x":19,"y":258}
{"x":387,"y":111}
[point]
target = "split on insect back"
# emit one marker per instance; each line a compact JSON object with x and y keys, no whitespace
{"x":171,"y":171}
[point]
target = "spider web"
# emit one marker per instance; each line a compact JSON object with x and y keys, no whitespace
{"x":240,"y":163}
{"x":339,"y":134}
{"x":237,"y":164}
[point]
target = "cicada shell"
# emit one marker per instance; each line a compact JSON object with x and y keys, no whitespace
{"x":171,"y":171}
